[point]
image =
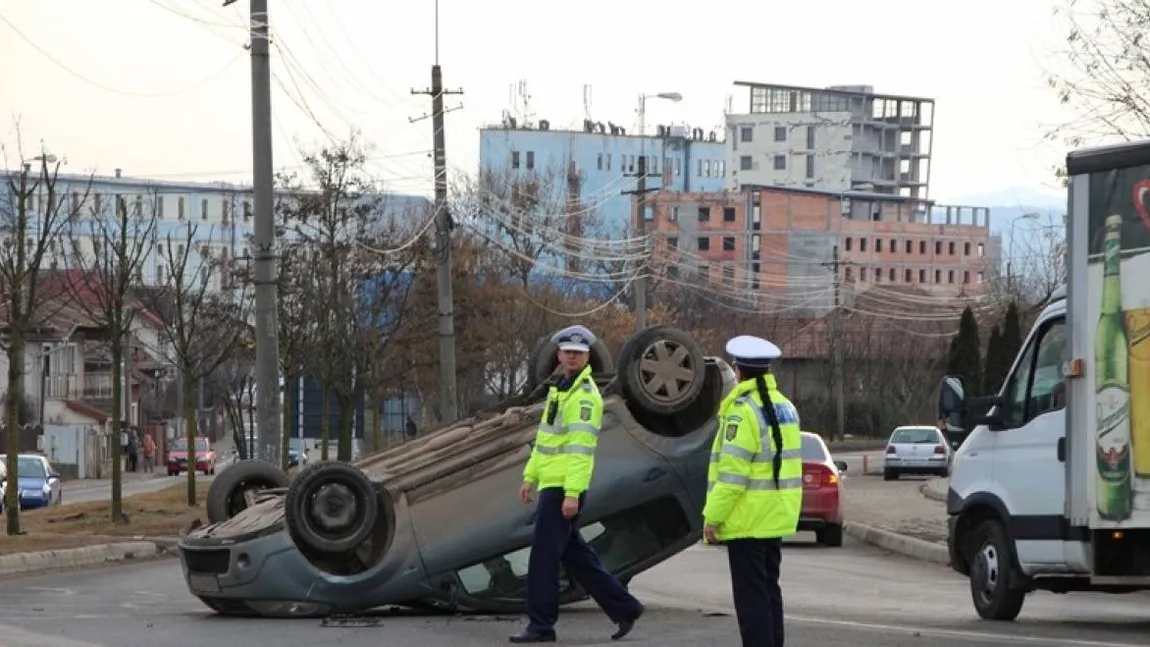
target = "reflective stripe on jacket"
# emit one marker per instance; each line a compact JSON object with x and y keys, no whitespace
{"x":564,"y":451}
{"x":743,"y":500}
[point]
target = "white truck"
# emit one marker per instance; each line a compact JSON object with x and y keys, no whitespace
{"x":1051,"y":489}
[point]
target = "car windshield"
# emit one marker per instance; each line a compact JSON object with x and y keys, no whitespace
{"x":296,"y":444}
{"x":812,"y":449}
{"x":915,"y":435}
{"x":31,"y":466}
{"x":181,"y":445}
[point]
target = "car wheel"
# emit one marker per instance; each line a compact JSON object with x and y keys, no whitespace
{"x":545,"y":359}
{"x":889,"y":475}
{"x":228,"y":495}
{"x":830,"y":536}
{"x":331,"y":507}
{"x":944,"y":472}
{"x":171,"y":473}
{"x":991,"y":564}
{"x":662,"y":369}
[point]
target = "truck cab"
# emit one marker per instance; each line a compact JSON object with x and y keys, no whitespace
{"x":1045,"y":492}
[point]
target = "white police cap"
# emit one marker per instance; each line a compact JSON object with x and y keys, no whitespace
{"x":753,"y":352}
{"x":576,"y":338}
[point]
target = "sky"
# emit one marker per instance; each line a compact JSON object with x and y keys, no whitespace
{"x":162,"y":88}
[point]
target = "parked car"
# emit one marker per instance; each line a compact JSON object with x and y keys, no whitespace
{"x":822,"y":492}
{"x":918,"y":449}
{"x":435,"y":522}
{"x":297,"y":453}
{"x":40,"y":485}
{"x":205,"y":456}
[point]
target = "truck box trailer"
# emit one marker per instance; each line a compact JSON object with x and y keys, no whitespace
{"x":1051,"y":489}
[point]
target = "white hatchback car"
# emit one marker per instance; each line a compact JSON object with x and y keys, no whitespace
{"x":916,"y":449}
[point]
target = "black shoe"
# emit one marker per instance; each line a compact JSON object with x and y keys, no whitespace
{"x":529,"y":636}
{"x":627,"y":625}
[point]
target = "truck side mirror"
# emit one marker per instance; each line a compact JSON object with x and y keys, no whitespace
{"x":952,"y":403}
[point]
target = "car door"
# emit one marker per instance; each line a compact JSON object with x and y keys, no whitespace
{"x":1027,"y":468}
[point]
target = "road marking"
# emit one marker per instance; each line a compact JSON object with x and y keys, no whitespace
{"x":18,"y":636}
{"x":956,"y":633}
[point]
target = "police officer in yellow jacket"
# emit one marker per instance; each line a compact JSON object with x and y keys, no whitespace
{"x":754,"y":488}
{"x":562,"y":461}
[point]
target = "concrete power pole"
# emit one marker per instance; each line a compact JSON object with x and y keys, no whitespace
{"x":837,"y":345}
{"x":639,"y":284}
{"x":263,"y":239}
{"x":448,"y":394}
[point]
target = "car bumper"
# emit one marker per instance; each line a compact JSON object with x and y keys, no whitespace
{"x":928,"y":465}
{"x":821,"y":508}
{"x":33,"y":501}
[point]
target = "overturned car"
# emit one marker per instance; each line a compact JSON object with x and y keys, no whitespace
{"x":436,"y":522}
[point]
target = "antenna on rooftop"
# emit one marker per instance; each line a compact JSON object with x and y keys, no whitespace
{"x":525,"y":99}
{"x":587,"y":101}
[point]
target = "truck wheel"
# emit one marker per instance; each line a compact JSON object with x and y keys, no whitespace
{"x":662,"y":369}
{"x":990,"y":567}
{"x":228,"y":492}
{"x":545,"y":359}
{"x":331,"y":507}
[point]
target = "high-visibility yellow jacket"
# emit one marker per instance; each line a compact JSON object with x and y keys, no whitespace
{"x":564,"y":451}
{"x":743,"y":499}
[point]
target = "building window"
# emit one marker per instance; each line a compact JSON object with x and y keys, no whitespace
{"x":599,"y":162}
{"x":981,"y":277}
{"x":699,"y":172}
{"x":204,"y":209}
{"x":728,"y":243}
{"x":950,"y":248}
{"x":878,"y":275}
{"x":810,"y":138}
{"x":180,"y":208}
{"x":530,"y":160}
{"x":673,"y":242}
{"x":878,"y":245}
{"x":704,"y":214}
{"x":966,"y":277}
{"x":780,"y":133}
{"x":847,"y":244}
{"x":893,"y":245}
{"x":966,"y":249}
{"x":780,"y":162}
{"x":938,"y":276}
{"x":746,"y":133}
{"x":907,"y":276}
{"x":224,"y":204}
{"x":950,"y":276}
{"x":862,"y":244}
{"x":674,"y":214}
{"x":247,"y":210}
{"x":810,"y":166}
{"x":745,"y":163}
{"x":862,"y":274}
{"x":909,"y":247}
{"x":922,"y":247}
{"x":938,"y":248}
{"x":514,"y":159}
{"x":981,"y":249}
{"x":891,"y":274}
{"x":728,"y":214}
{"x":728,"y":274}
{"x":609,"y":163}
{"x":848,"y":274}
{"x":922,"y":276}
{"x":704,"y":243}
{"x":138,"y":209}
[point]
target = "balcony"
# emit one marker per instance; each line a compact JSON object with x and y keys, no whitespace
{"x":97,"y":386}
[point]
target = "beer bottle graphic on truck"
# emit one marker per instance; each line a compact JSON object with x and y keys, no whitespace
{"x":1115,"y":482}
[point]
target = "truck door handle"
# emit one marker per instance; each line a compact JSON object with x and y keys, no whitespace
{"x":654,"y":473}
{"x":1062,"y":449}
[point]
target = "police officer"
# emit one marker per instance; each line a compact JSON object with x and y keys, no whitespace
{"x":754,"y":488}
{"x":560,"y":466}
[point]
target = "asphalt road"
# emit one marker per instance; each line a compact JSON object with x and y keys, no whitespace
{"x":850,"y":596}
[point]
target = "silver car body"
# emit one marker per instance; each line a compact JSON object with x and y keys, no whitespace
{"x":913,"y":449}
{"x":456,"y":534}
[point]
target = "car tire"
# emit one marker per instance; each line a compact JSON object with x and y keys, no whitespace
{"x":662,"y":369}
{"x":889,"y":475}
{"x":226,"y":494}
{"x":357,"y":500}
{"x":545,"y":360}
{"x":991,"y":566}
{"x":831,"y":536}
{"x":171,"y":473}
{"x":944,"y":472}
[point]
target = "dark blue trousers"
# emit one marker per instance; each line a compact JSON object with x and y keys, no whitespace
{"x":755,"y":586}
{"x":557,"y":541}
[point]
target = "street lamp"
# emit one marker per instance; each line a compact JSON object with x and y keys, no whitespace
{"x":1010,"y":254}
{"x":674,"y":97}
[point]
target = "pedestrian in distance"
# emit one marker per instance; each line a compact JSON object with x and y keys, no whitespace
{"x":562,"y":461}
{"x":149,"y":452}
{"x":755,"y":488}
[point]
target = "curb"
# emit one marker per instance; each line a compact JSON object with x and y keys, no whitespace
{"x":930,"y":493}
{"x":50,"y":560}
{"x":896,"y":543}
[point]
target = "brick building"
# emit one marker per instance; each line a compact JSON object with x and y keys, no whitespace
{"x":780,"y":242}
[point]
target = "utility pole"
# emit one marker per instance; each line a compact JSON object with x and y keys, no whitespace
{"x":836,"y":344}
{"x":449,"y":400}
{"x":263,"y":239}
{"x":639,"y":283}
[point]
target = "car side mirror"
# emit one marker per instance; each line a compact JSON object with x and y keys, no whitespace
{"x":842,"y":465}
{"x":53,"y":475}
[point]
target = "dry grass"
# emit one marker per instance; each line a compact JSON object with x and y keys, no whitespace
{"x":162,"y":513}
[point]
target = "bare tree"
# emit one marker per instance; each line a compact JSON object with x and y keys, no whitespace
{"x":1104,"y":70}
{"x":109,"y":261}
{"x":32,"y":217}
{"x":203,"y":313}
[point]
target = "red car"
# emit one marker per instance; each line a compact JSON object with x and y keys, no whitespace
{"x":178,"y":456}
{"x":822,"y":492}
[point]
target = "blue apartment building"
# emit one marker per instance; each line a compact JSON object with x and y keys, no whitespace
{"x":591,"y":167}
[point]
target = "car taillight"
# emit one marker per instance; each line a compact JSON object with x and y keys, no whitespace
{"x":816,"y":476}
{"x":940,"y":449}
{"x":890,"y":449}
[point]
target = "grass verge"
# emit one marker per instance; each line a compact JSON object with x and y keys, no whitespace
{"x":161,"y":513}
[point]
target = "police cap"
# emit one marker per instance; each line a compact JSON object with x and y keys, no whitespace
{"x":753,"y":352}
{"x":575,"y":338}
